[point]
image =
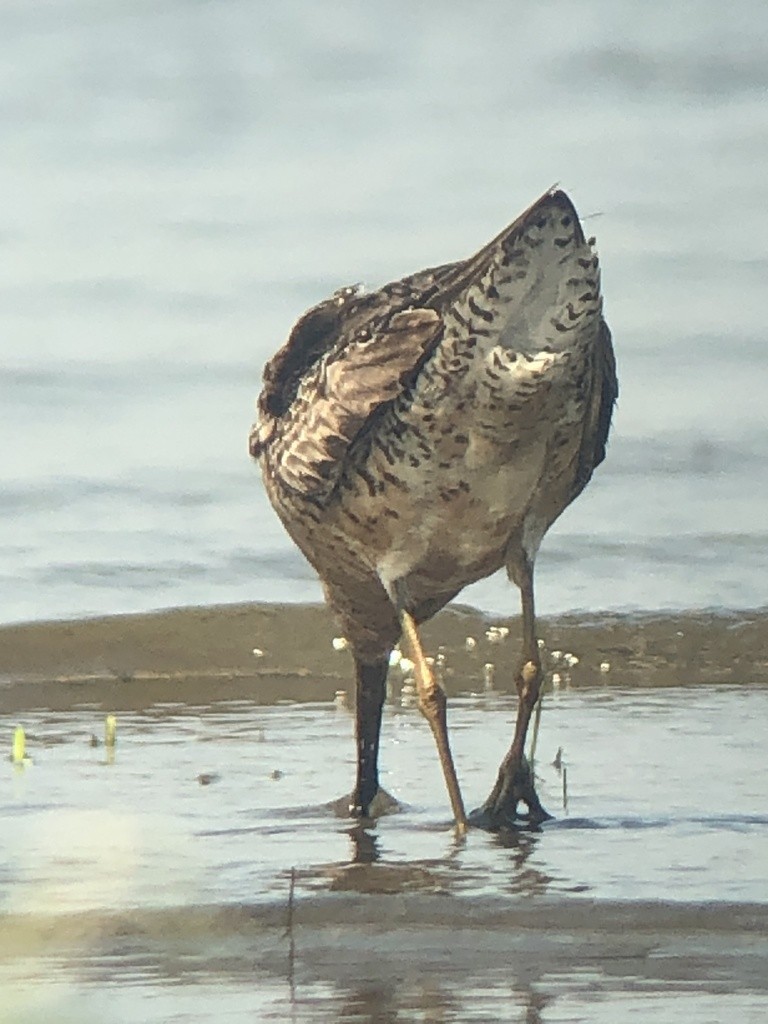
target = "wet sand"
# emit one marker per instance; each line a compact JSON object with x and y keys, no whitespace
{"x":269,"y":652}
{"x":334,"y":934}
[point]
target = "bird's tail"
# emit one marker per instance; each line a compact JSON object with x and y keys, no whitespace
{"x":537,"y":284}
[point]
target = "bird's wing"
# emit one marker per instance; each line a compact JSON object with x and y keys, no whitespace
{"x":305,"y":440}
{"x":609,"y":391}
{"x":597,"y":423}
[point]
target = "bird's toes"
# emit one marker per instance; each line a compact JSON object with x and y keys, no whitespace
{"x":350,"y":806}
{"x":487,"y":819}
{"x":514,"y":789}
{"x":491,"y":818}
{"x":382,"y":804}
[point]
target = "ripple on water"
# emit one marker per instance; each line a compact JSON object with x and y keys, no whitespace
{"x":218,"y":802}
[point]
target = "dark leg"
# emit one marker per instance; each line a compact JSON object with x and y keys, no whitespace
{"x":371,"y":690}
{"x":515,"y":780}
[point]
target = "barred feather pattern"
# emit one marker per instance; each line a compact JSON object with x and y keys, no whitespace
{"x":432,"y":431}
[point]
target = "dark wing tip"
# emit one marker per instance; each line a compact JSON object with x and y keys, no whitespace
{"x":309,"y":338}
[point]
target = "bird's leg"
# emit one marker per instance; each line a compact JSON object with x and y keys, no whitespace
{"x":432,"y":704}
{"x":371,"y":680}
{"x":515,"y":779}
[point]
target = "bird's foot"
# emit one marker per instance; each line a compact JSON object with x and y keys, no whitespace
{"x":501,"y":809}
{"x":378,"y":806}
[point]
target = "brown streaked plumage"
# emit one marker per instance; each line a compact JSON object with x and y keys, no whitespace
{"x":420,"y":437}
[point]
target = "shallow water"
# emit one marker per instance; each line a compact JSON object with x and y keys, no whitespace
{"x":664,"y":800}
{"x":204,"y":809}
{"x":186,"y":180}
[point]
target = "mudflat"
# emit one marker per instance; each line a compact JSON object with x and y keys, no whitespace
{"x":268,"y":652}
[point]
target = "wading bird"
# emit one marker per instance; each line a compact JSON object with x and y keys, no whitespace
{"x":418,"y":438}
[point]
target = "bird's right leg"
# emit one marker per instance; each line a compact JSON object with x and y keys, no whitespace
{"x":367,"y":799}
{"x":432,"y":704}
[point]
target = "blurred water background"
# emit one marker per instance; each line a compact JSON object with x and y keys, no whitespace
{"x":181,"y":180}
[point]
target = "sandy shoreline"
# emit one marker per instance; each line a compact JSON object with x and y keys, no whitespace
{"x":269,"y":652}
{"x":333,"y":933}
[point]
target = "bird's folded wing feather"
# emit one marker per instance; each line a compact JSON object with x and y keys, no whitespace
{"x":340,"y":395}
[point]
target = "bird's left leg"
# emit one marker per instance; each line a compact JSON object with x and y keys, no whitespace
{"x":432,"y":704}
{"x":515,"y":778}
{"x":368,"y":799}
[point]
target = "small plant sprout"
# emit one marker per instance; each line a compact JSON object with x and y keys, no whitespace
{"x":536,"y":724}
{"x":19,"y":751}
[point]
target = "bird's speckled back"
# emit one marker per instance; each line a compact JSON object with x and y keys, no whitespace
{"x":432,"y":431}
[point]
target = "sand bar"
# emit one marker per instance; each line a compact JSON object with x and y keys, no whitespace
{"x":334,"y":935}
{"x":268,"y":652}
